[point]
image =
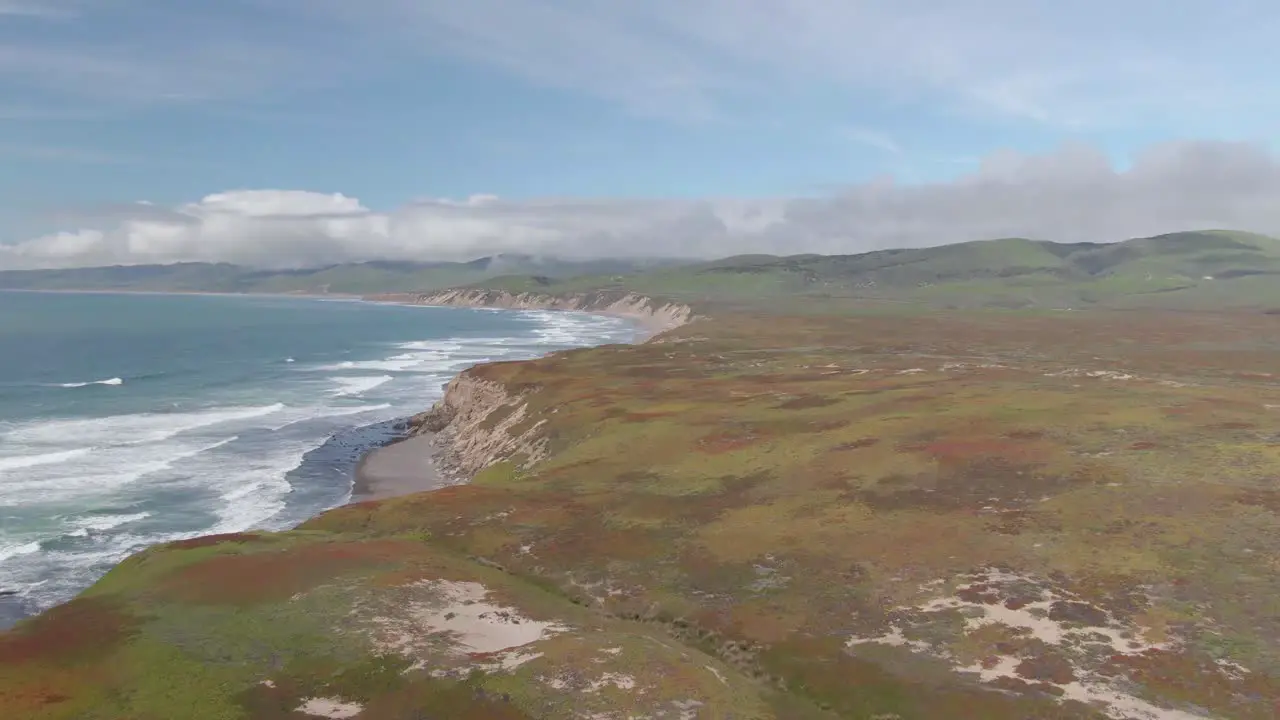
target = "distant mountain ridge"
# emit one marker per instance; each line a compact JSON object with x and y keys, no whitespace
{"x":347,"y":278}
{"x":1200,"y":269}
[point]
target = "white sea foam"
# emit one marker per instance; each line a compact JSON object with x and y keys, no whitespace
{"x":129,"y":429}
{"x":247,"y":492}
{"x":399,"y":363}
{"x":12,"y":551}
{"x":349,"y":386}
{"x":301,"y":415}
{"x":17,"y":462}
{"x":253,"y":489}
{"x":117,"y":461}
{"x":439,"y":346}
{"x":45,"y":576}
{"x":105,"y":470}
{"x":560,"y":328}
{"x":101,"y":523}
{"x":70,"y":487}
{"x":108,"y":381}
{"x":447,"y":366}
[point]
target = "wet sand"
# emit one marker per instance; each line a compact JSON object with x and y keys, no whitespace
{"x":402,"y":468}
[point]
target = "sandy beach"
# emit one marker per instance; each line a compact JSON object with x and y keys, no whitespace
{"x":423,"y":462}
{"x":402,"y":468}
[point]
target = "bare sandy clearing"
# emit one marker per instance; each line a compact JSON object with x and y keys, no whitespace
{"x":330,"y":708}
{"x":1035,"y":611}
{"x":445,"y":624}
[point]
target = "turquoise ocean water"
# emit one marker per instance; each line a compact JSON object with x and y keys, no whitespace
{"x":127,"y":420}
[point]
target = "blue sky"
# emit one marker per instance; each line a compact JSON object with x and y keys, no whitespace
{"x":684,"y":118}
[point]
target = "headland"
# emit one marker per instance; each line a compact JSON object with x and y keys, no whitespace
{"x":445,"y":445}
{"x":806,"y":507}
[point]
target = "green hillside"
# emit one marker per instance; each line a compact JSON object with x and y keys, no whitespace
{"x":1211,"y":269}
{"x":1207,"y":269}
{"x":791,"y":515}
{"x":825,"y":498}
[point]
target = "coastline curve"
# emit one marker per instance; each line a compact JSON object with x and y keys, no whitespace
{"x":455,"y":439}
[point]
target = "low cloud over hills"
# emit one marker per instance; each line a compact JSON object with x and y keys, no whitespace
{"x":1071,"y":195}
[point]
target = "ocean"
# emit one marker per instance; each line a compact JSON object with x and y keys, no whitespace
{"x":133,"y":419}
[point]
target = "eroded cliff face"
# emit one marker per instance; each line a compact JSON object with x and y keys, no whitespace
{"x":478,"y":423}
{"x":655,"y":315}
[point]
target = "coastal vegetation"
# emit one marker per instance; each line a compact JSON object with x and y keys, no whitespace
{"x":897,"y":486}
{"x":1190,"y":270}
{"x":1214,"y":269}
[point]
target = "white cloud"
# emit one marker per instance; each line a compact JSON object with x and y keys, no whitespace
{"x":1070,"y":195}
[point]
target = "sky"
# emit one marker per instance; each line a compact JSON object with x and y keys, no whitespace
{"x":290,"y":133}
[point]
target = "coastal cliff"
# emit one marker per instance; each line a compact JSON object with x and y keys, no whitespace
{"x":810,"y":517}
{"x":480,"y":422}
{"x":656,"y":316}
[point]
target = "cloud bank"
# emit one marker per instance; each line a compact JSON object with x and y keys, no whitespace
{"x":1070,"y":195}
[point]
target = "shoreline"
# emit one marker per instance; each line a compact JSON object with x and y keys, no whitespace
{"x":412,"y":460}
{"x":417,"y":461}
{"x":653,"y":316}
{"x":403,"y":466}
{"x":420,"y":461}
{"x":646,"y":327}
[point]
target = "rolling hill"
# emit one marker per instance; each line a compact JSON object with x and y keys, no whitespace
{"x":1185,"y":270}
{"x":803,"y":504}
{"x":778,"y":514}
{"x":348,"y":278}
{"x":1209,"y":269}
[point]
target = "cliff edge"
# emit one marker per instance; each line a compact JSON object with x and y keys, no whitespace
{"x":656,"y":316}
{"x":480,"y":422}
{"x":802,"y":517}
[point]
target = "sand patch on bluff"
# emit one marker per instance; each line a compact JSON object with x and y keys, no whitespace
{"x":1034,"y":610}
{"x":449,"y":625}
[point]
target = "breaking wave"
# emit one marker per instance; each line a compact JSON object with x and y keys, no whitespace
{"x":109,"y":381}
